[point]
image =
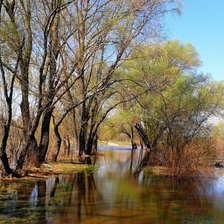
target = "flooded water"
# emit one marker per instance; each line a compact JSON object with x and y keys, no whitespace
{"x":112,"y":195}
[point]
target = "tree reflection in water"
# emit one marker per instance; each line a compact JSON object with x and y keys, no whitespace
{"x":72,"y":197}
{"x":112,"y":195}
{"x":22,"y":202}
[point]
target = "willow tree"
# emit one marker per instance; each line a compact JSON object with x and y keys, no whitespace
{"x":178,"y":102}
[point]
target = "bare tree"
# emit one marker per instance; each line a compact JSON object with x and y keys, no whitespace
{"x":63,"y":47}
{"x":8,"y":80}
{"x":107,"y":31}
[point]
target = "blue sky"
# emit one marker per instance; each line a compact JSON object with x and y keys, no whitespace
{"x":202,"y":24}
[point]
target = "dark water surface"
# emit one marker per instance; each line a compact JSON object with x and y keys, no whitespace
{"x":111,"y":195}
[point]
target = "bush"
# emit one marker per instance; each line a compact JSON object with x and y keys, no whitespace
{"x":187,"y":161}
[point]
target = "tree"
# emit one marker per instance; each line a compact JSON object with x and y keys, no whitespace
{"x":35,"y":38}
{"x":106,"y":34}
{"x":177,"y":103}
{"x":74,"y":47}
{"x":8,"y":81}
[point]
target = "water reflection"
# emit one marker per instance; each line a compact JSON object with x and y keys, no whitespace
{"x":34,"y":196}
{"x":112,"y":195}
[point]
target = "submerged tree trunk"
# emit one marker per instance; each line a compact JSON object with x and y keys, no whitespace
{"x":150,"y":144}
{"x":144,"y":162}
{"x":132,"y":147}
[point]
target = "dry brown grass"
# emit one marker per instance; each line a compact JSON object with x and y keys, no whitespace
{"x":162,"y":171}
{"x":188,"y":161}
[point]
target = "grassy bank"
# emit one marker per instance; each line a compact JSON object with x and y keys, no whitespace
{"x":53,"y":169}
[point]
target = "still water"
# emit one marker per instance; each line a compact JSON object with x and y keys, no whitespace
{"x":112,"y":195}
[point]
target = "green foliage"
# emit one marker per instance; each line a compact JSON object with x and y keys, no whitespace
{"x":173,"y":103}
{"x":175,"y":96}
{"x":218,"y":130}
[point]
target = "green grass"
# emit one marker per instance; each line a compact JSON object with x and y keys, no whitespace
{"x":69,"y":168}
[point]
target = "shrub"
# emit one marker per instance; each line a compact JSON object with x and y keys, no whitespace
{"x":188,"y":160}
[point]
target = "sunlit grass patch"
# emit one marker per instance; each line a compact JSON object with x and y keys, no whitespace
{"x":68,"y":168}
{"x":33,"y":174}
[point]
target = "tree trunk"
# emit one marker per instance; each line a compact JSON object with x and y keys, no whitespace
{"x":89,"y":146}
{"x":5,"y":135}
{"x":82,"y":141}
{"x":95,"y":143}
{"x":132,"y":147}
{"x":74,"y":120}
{"x":58,"y":145}
{"x":75,"y":128}
{"x":25,"y":111}
{"x":45,"y":133}
{"x":143,"y":136}
{"x":28,"y":151}
{"x":83,"y":130}
{"x":5,"y":162}
{"x":144,"y":162}
{"x":92,"y":142}
{"x":4,"y":159}
{"x":8,"y":94}
{"x":68,"y":146}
